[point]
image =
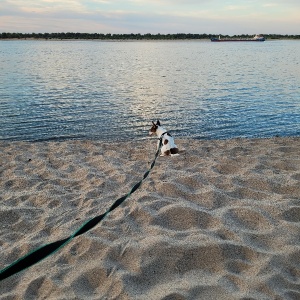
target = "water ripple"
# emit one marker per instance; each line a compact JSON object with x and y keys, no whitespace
{"x":112,"y":91}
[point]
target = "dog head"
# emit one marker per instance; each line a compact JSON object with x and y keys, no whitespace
{"x":154,"y":127}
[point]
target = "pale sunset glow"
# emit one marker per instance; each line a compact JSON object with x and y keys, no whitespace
{"x":145,"y":16}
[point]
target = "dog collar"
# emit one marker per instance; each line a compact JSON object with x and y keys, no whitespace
{"x":162,"y":135}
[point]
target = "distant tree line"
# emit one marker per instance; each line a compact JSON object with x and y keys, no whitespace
{"x":130,"y":36}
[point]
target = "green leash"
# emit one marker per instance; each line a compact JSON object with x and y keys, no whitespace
{"x":43,"y":252}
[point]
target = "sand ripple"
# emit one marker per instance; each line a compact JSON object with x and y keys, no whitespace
{"x":220,"y":221}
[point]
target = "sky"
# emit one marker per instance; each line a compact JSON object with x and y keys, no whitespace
{"x":151,"y":16}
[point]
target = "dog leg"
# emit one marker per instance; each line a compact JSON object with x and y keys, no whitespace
{"x":166,"y":153}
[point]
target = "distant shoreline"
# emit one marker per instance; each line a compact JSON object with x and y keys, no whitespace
{"x":127,"y":40}
{"x":133,"y":37}
{"x":102,"y":40}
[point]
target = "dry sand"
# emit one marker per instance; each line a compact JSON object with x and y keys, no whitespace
{"x":220,"y":221}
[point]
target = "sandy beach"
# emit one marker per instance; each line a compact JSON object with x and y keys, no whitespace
{"x":219,"y":221}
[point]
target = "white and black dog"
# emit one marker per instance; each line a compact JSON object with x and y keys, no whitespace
{"x":168,"y":145}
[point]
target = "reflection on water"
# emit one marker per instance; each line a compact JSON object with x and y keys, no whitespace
{"x":113,"y":90}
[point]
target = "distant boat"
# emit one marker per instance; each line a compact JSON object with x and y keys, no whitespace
{"x":256,"y":38}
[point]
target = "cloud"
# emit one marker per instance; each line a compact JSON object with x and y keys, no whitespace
{"x":236,"y":7}
{"x":270,"y":5}
{"x":172,"y":2}
{"x":143,"y":16}
{"x":46,"y":5}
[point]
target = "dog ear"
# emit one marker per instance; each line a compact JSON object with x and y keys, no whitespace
{"x":153,"y":123}
{"x":158,"y":123}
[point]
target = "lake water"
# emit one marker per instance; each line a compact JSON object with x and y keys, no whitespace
{"x":113,"y":90}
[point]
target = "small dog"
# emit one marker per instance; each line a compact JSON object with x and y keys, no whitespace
{"x":168,"y":145}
